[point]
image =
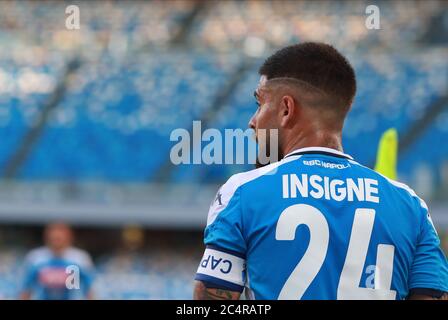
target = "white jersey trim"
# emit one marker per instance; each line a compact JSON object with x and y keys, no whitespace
{"x":227,"y":191}
{"x":322,"y":149}
{"x":75,"y":255}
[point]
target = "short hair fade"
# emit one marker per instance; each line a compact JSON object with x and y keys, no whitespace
{"x":318,"y":64}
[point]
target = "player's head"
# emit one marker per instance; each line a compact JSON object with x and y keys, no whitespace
{"x":305,"y":91}
{"x":58,"y":236}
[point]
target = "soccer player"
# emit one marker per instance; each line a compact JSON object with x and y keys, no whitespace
{"x":316,"y":224}
{"x":50,"y":270}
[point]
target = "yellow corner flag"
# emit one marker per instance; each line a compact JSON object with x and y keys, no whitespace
{"x":386,"y":158}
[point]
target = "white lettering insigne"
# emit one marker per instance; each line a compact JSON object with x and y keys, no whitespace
{"x":360,"y":189}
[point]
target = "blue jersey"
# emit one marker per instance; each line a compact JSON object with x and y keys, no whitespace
{"x":318,"y":225}
{"x":65,"y":277}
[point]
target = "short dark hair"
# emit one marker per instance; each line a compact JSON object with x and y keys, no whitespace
{"x":317,"y":64}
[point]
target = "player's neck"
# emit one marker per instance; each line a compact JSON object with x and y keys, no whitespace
{"x":58,"y":252}
{"x":325,"y":140}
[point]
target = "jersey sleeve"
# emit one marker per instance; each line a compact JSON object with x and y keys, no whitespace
{"x":223,"y":263}
{"x":429,"y":269}
{"x":87,"y":273}
{"x":87,"y":280}
{"x":30,"y":277}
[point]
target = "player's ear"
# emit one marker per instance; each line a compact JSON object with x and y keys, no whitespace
{"x":287,"y":111}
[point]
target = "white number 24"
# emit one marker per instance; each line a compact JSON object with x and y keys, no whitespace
{"x":313,"y":259}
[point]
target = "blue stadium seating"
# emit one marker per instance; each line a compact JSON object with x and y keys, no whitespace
{"x":117,"y":126}
{"x":114,"y":121}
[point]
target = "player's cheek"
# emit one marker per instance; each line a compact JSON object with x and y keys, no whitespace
{"x":262,"y":117}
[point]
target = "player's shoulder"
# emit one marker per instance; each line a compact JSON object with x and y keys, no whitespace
{"x":240,"y":179}
{"x":38,"y":255}
{"x":79,"y":256}
{"x":397,"y":187}
{"x":227,"y":199}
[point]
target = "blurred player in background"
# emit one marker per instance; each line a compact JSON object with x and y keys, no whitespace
{"x":316,"y":224}
{"x":46,"y":273}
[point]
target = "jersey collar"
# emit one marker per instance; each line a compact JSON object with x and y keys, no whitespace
{"x":319,"y":150}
